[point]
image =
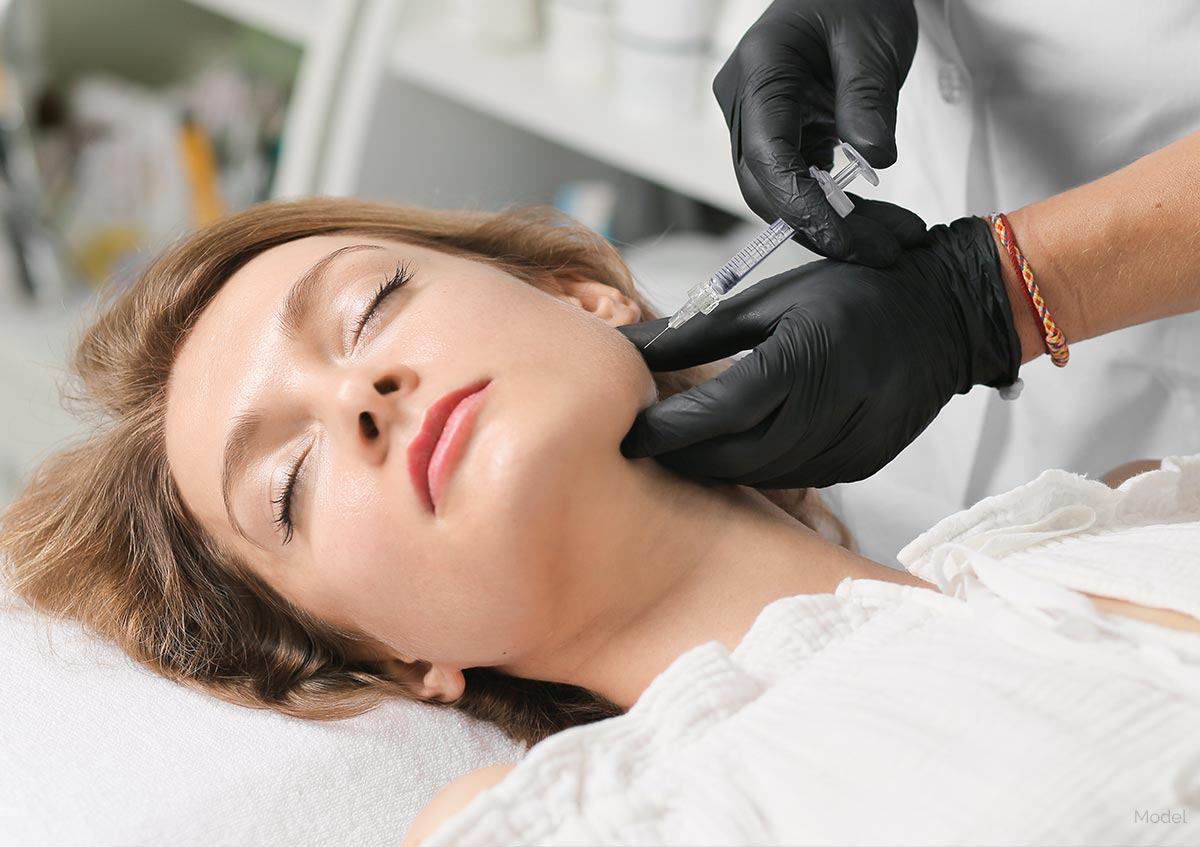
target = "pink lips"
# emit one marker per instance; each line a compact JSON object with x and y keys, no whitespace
{"x":441,"y":440}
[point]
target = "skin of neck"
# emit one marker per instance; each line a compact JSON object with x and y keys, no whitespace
{"x":687,"y":564}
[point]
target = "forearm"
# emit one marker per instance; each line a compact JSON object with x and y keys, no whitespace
{"x":1119,"y":251}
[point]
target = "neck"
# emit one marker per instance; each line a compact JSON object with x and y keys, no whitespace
{"x":687,"y":564}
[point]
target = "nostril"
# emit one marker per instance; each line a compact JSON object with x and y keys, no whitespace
{"x":367,"y":424}
{"x":386,"y":385}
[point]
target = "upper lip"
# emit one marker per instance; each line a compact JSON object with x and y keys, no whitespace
{"x":420,"y":449}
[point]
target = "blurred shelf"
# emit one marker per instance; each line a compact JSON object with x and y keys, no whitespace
{"x":296,"y":21}
{"x":322,"y":29}
{"x":689,"y":155}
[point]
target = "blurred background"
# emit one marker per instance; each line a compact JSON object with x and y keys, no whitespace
{"x":127,"y":123}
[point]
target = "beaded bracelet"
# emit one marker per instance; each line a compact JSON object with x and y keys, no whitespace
{"x":1056,"y":343}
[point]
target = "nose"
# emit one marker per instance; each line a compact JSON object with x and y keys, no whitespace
{"x":369,"y":405}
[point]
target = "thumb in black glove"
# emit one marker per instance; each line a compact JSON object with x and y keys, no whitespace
{"x":806,"y":73}
{"x":849,"y":365}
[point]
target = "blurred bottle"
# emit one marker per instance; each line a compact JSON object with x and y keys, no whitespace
{"x":660,"y":55}
{"x":577,"y":42}
{"x":734,"y":19}
{"x":497,"y":24}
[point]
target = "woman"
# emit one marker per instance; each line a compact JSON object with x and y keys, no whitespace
{"x":129,"y":533}
{"x":363,"y":450}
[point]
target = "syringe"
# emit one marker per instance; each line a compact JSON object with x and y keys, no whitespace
{"x":703,"y":298}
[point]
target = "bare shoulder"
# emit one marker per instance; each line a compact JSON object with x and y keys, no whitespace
{"x":452,"y":799}
{"x":1120,"y":473}
{"x":1151,"y":614}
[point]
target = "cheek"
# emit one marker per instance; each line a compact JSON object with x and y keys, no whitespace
{"x":379,"y":565}
{"x":356,"y":521}
{"x":614,"y":382}
{"x":631,"y":372}
{"x":354,"y":504}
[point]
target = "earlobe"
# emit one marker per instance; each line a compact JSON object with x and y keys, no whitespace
{"x":603,"y":301}
{"x":443,"y":682}
{"x":435,"y":682}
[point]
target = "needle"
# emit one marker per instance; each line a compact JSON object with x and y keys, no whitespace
{"x":655,"y":338}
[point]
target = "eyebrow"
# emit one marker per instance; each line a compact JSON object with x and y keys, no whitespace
{"x":292,"y":318}
{"x":246,"y":428}
{"x":302,"y":298}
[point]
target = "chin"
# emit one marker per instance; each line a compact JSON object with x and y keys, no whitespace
{"x":523,"y":483}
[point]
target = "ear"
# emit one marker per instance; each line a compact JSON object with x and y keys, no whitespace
{"x":603,"y":301}
{"x":429,"y":680}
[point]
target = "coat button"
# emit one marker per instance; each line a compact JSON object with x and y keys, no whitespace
{"x":952,"y":83}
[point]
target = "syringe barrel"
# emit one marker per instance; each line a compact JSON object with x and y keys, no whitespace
{"x":746,"y":259}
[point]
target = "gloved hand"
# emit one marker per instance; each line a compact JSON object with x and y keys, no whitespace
{"x":849,"y":364}
{"x":806,"y":73}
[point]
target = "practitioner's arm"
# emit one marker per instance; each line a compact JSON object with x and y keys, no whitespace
{"x":1119,"y":251}
{"x":850,"y":364}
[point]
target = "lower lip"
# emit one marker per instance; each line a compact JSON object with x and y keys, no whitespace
{"x":453,"y":443}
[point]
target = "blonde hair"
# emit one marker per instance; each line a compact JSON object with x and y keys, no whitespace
{"x":100,"y":534}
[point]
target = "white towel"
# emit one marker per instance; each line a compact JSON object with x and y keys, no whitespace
{"x":97,"y":750}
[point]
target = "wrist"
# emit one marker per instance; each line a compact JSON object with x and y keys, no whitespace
{"x":1025,"y":322}
{"x":982,"y":326}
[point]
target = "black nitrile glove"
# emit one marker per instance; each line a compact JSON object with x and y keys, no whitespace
{"x":849,"y":365}
{"x":806,"y":73}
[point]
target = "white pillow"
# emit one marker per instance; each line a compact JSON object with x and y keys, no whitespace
{"x":95,"y":749}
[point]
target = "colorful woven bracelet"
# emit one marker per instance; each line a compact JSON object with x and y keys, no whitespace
{"x":1056,"y":343}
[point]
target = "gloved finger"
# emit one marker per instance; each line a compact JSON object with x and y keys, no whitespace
{"x":812,"y":236}
{"x":643,"y":333}
{"x":875,"y":236}
{"x":868,"y":70}
{"x":871,"y":243}
{"x":880,"y":231}
{"x":877,"y":231}
{"x":740,"y":322}
{"x":793,"y":195}
{"x":819,"y":470}
{"x":756,"y":198}
{"x":703,"y":339}
{"x":818,"y":142}
{"x":739,"y":457}
{"x":907,"y":226}
{"x":768,"y":133}
{"x":734,"y":401}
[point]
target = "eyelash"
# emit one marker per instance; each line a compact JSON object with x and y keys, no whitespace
{"x":283,"y":514}
{"x":283,"y":517}
{"x":401,"y":278}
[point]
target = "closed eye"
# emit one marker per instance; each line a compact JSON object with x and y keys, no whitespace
{"x":283,"y":515}
{"x":402,"y":277}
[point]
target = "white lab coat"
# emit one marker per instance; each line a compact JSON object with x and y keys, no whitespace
{"x":1008,"y":103}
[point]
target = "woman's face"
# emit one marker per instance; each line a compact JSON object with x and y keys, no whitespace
{"x":473,"y":581}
